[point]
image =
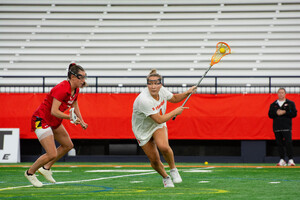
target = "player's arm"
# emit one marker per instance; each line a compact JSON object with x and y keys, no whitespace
{"x":179,"y":97}
{"x":55,"y":110}
{"x":272,"y":112}
{"x":166,"y":117}
{"x":77,"y":112}
{"x":291,"y":110}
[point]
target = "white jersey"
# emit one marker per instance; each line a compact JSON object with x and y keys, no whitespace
{"x":145,"y":105}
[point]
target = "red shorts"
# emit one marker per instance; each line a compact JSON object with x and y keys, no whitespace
{"x":37,"y":122}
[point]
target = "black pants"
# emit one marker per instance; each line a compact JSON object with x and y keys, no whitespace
{"x":284,"y":138}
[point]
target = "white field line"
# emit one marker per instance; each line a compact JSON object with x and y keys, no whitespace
{"x":198,"y":171}
{"x":120,"y":170}
{"x":61,"y":171}
{"x":80,"y":181}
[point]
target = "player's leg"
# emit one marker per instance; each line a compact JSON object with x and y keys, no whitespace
{"x":47,"y":141}
{"x":289,"y":147}
{"x":66,"y":144}
{"x":152,"y":153}
{"x":161,"y":139}
{"x":62,"y":136}
{"x":280,"y":145}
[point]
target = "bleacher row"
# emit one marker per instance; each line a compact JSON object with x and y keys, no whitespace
{"x":129,"y":37}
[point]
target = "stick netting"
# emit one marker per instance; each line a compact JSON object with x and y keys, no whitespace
{"x":218,"y":55}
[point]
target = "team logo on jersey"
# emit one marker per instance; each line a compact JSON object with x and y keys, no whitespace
{"x":159,"y":106}
{"x":38,"y":124}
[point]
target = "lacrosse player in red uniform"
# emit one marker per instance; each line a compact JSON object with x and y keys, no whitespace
{"x":46,"y":122}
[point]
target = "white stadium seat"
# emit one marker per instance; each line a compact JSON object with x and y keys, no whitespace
{"x":129,"y":37}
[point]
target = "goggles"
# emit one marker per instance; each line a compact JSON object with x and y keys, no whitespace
{"x":154,"y":82}
{"x":79,"y":76}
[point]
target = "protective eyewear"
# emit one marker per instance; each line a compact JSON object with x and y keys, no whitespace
{"x":79,"y":76}
{"x":154,"y":82}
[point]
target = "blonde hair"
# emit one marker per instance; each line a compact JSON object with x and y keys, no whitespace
{"x":154,"y":73}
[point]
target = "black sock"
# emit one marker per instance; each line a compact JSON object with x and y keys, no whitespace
{"x":28,"y":173}
{"x":45,"y":168}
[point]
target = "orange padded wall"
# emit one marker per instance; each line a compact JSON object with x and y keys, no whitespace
{"x":209,"y":117}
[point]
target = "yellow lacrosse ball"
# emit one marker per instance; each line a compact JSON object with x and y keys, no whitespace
{"x":222,"y":50}
{"x":206,"y":163}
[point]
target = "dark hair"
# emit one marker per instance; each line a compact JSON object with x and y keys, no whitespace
{"x":74,"y":69}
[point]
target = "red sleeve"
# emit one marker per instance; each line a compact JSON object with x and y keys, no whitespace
{"x":60,"y":92}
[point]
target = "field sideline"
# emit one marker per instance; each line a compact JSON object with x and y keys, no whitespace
{"x":179,"y":166}
{"x":138,"y":181}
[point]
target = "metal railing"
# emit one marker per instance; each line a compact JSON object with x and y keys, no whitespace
{"x":134,"y":84}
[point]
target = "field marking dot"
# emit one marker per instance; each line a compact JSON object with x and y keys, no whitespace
{"x":136,"y":181}
{"x":203,"y":181}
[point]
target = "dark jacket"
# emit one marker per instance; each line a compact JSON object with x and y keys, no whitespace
{"x":283,"y":122}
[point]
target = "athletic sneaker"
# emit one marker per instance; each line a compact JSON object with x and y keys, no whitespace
{"x":291,"y":162}
{"x":47,"y":174}
{"x":33,"y":180}
{"x":281,"y":163}
{"x":175,"y":176}
{"x":168,"y":182}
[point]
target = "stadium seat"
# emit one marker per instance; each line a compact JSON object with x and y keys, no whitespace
{"x":128,"y":38}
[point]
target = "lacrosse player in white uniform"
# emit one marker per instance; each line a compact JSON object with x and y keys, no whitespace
{"x":149,"y":119}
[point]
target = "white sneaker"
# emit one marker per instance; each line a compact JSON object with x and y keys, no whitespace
{"x":47,"y":174}
{"x":281,"y":163}
{"x":175,"y":176}
{"x":168,"y":182}
{"x":33,"y":180}
{"x":291,"y":162}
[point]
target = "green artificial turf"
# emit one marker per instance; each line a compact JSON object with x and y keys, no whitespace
{"x":213,"y":181}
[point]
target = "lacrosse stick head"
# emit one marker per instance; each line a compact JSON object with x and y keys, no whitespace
{"x":222,"y":50}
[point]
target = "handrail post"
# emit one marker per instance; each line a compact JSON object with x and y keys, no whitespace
{"x":43,"y":84}
{"x":270,"y":84}
{"x":216,"y":85}
{"x":96,"y":84}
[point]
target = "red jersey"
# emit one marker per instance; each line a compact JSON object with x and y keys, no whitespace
{"x":61,"y":92}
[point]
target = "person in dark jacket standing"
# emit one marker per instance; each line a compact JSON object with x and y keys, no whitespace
{"x":282,"y":111}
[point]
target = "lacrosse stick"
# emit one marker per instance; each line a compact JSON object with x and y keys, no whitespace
{"x":222,"y":50}
{"x":73,"y":116}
